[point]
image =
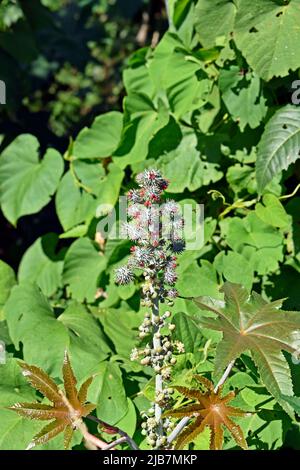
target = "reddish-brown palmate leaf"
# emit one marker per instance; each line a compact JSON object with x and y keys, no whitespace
{"x":67,"y":407}
{"x":209,"y":410}
{"x":250,"y":323}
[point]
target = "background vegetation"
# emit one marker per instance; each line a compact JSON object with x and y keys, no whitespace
{"x":208,"y":102}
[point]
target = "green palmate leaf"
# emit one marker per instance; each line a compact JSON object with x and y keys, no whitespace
{"x":187,"y":168}
{"x":27,"y":183}
{"x":7,"y":281}
{"x":242,"y":97}
{"x":214,"y":20}
{"x":41,"y":264}
{"x":210,"y":410}
{"x":31,"y":321}
{"x":67,"y":409}
{"x":267,"y":32}
{"x":143,"y":121}
{"x":279,"y":145}
{"x":82,"y":268}
{"x":101,"y":139}
{"x":251,"y":323}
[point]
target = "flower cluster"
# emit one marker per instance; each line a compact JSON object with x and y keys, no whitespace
{"x":155,"y":227}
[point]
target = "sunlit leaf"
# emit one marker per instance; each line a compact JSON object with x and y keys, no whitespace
{"x":67,"y":409}
{"x":210,"y":410}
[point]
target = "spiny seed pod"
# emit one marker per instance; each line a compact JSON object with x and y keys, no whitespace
{"x":124,"y":275}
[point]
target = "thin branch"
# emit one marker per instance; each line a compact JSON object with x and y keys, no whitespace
{"x":180,"y":426}
{"x":116,"y":430}
{"x":224,"y":376}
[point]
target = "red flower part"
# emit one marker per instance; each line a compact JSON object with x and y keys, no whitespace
{"x":152,"y":175}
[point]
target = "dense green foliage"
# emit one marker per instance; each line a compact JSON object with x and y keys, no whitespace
{"x":210,"y":106}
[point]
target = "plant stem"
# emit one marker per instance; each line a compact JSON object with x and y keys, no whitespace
{"x":111,"y":445}
{"x":117,"y":430}
{"x":224,"y":376}
{"x":158,"y":377}
{"x":168,"y":12}
{"x":91,"y":442}
{"x":182,"y":423}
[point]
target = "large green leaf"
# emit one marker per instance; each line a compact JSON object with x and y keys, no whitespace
{"x":143,"y":121}
{"x":268,"y":32}
{"x":279,"y":145}
{"x":180,"y":75}
{"x":251,"y":323}
{"x":101,"y":139}
{"x":73,"y":205}
{"x":186,"y":168}
{"x":272,"y":212}
{"x":251,"y":230}
{"x":7,"y":281}
{"x":195,"y":280}
{"x":15,"y":432}
{"x":31,"y":321}
{"x":82,"y":268}
{"x":108,"y":392}
{"x":27,"y":183}
{"x":41,"y":264}
{"x":242,"y":96}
